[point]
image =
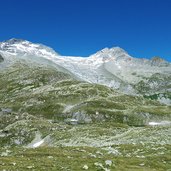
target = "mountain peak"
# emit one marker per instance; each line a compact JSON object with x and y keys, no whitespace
{"x":118,"y":49}
{"x":113,"y":49}
{"x":114,"y":52}
{"x":23,"y":47}
{"x":14,"y":40}
{"x":157,"y":58}
{"x":158,"y":61}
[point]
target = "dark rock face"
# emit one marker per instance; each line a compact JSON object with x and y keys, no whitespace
{"x":1,"y":58}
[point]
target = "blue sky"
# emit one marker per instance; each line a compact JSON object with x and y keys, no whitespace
{"x":82,"y":27}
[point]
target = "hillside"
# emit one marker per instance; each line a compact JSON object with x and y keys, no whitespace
{"x":106,"y":109}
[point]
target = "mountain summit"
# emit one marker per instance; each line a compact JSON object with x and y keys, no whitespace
{"x":111,"y":52}
{"x":24,"y":47}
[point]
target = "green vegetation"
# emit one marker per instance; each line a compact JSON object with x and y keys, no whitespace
{"x":158,"y":96}
{"x":122,"y":157}
{"x":73,"y":147}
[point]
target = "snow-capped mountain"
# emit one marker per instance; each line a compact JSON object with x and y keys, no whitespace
{"x":23,"y":47}
{"x":112,"y":67}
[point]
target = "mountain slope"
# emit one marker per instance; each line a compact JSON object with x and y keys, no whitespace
{"x":23,"y":47}
{"x":111,"y":67}
{"x":47,"y":92}
{"x":74,"y":113}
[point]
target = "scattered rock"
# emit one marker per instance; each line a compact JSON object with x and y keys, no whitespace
{"x":100,"y":153}
{"x":4,"y":154}
{"x":112,"y":151}
{"x":85,"y":167}
{"x":142,"y":164}
{"x":82,"y":117}
{"x":108,"y":163}
{"x":100,"y":166}
{"x":6,"y":110}
{"x":30,"y":167}
{"x":71,"y":121}
{"x":50,"y":157}
{"x":92,"y":155}
{"x":69,"y":157}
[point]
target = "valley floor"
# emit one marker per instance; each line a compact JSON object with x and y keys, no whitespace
{"x":122,"y":158}
{"x":94,"y":147}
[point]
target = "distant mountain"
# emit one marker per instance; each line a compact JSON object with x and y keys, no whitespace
{"x":23,"y":47}
{"x":112,"y":67}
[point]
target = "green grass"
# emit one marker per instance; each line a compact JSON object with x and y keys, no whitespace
{"x":135,"y":148}
{"x":74,"y":158}
{"x":158,"y":95}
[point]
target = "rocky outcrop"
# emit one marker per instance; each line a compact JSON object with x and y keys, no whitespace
{"x":1,"y":58}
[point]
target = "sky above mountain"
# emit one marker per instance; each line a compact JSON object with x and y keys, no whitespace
{"x":82,"y":27}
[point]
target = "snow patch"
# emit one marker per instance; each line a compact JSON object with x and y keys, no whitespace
{"x":162,"y":123}
{"x":37,"y":144}
{"x":38,"y":141}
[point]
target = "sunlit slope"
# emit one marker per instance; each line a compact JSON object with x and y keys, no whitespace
{"x":45,"y":91}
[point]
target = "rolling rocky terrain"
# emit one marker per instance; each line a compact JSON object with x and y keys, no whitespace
{"x":109,"y":111}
